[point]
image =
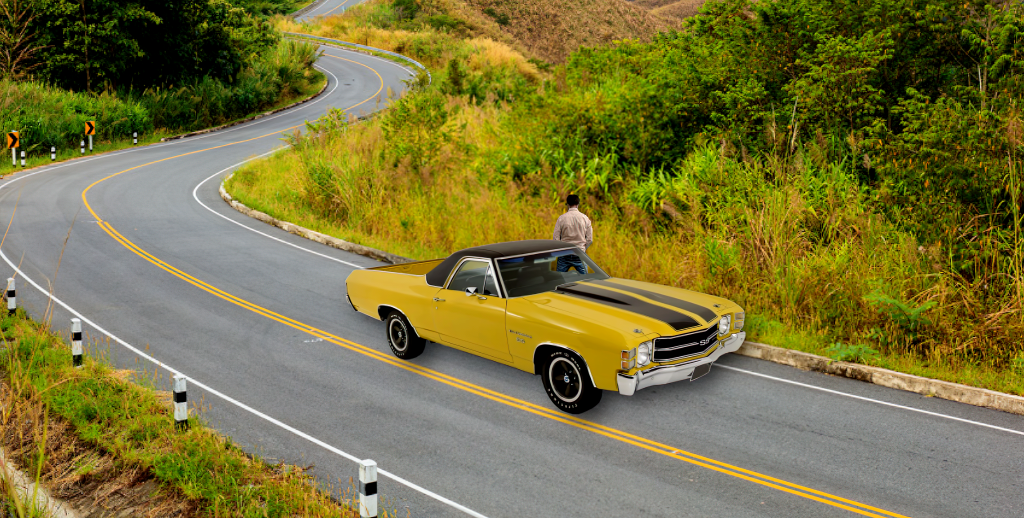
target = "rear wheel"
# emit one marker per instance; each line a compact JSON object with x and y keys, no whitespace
{"x":567,"y":383}
{"x":402,"y":337}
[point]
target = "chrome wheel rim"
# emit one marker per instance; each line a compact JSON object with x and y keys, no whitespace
{"x":398,"y":335}
{"x":565,"y":380}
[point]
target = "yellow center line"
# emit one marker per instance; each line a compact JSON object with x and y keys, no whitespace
{"x":612,"y":433}
{"x":335,"y":9}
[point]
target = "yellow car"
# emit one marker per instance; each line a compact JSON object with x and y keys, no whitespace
{"x":545,"y":307}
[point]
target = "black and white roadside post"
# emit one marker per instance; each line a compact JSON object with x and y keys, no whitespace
{"x":76,"y":342}
{"x":22,"y":159}
{"x":53,"y":153}
{"x":180,"y":403}
{"x":83,"y":147}
{"x":12,"y":304}
{"x":367,"y":489}
{"x":135,"y":138}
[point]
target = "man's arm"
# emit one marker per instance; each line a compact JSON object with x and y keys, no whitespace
{"x":589,"y":235}
{"x":558,"y":230}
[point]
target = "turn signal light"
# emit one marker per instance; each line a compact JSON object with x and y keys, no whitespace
{"x":628,"y":359}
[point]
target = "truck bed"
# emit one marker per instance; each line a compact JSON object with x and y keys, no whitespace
{"x":416,"y":268}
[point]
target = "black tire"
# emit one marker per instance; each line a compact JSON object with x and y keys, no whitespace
{"x":568,"y":384}
{"x":402,"y":338}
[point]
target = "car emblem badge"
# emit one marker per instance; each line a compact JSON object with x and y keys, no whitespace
{"x":566,"y":378}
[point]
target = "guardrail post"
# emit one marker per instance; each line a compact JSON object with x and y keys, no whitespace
{"x":180,"y":403}
{"x":76,"y":342}
{"x":367,"y":489}
{"x":12,"y":304}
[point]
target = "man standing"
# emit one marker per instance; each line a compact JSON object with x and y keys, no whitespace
{"x":574,"y":228}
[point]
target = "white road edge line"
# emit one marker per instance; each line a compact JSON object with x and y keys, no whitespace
{"x":214,"y":392}
{"x":862,"y":398}
{"x":195,"y":195}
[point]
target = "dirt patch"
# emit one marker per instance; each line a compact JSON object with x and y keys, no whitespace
{"x":90,"y":480}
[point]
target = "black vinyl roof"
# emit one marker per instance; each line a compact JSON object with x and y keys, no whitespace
{"x":439,"y":274}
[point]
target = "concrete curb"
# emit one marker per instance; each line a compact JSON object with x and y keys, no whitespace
{"x":52,"y":506}
{"x":330,"y":241}
{"x":247,"y":119}
{"x":886,"y":378}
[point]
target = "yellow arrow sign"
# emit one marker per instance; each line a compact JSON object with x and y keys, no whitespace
{"x":12,"y":140}
{"x":90,"y":127}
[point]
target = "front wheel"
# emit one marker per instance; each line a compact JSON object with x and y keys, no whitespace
{"x":567,"y":383}
{"x":402,"y":337}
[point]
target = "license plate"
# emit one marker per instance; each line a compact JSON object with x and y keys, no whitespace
{"x":700,"y":370}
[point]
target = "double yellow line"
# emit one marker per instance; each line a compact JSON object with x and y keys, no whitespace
{"x":612,"y":433}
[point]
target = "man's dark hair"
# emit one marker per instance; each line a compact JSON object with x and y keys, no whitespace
{"x":572,"y":200}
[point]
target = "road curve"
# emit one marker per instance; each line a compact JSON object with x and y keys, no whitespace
{"x":257,"y":317}
{"x":327,"y":8}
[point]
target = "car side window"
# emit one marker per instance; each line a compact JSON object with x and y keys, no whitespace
{"x":470,"y":275}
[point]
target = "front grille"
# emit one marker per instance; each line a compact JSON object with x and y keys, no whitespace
{"x":674,"y":347}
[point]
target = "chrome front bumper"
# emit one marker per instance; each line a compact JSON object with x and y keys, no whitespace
{"x":663,"y":375}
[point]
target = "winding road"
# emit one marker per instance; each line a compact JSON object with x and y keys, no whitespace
{"x":161,"y":270}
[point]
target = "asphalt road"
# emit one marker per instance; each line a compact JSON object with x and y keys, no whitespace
{"x":257,"y":319}
{"x":328,"y":8}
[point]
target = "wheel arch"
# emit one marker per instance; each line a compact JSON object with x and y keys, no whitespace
{"x":541,"y":352}
{"x":384,"y":310}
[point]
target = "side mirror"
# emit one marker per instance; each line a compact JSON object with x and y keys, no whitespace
{"x":470,"y":292}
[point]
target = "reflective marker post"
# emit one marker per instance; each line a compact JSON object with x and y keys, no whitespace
{"x":12,"y":304}
{"x":83,"y":147}
{"x":53,"y":153}
{"x":76,"y":342}
{"x":180,"y":403}
{"x":367,"y":489}
{"x":135,"y":138}
{"x":22,"y":159}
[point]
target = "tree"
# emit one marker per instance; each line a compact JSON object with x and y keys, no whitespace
{"x":93,"y":42}
{"x":18,"y":39}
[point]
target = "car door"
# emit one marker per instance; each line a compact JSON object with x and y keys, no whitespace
{"x":470,"y":312}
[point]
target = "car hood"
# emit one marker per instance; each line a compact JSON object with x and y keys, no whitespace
{"x":653,"y":308}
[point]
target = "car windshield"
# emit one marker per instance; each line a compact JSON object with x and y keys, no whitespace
{"x":537,"y":273}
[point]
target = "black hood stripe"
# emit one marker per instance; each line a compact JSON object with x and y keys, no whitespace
{"x":622,"y":301}
{"x":707,"y":314}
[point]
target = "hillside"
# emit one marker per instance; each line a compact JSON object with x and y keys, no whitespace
{"x":552,"y":29}
{"x":674,"y":10}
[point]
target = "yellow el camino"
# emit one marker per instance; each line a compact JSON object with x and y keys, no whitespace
{"x":544,"y":307}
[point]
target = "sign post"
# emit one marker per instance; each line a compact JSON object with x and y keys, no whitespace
{"x":12,"y":143}
{"x":90,"y":130}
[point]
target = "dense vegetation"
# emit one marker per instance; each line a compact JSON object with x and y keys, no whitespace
{"x":848,"y":170}
{"x":135,"y":66}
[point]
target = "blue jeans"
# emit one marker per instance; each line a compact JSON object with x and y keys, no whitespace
{"x":570,"y":261}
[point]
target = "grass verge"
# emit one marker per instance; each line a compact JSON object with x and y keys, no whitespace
{"x":101,"y":440}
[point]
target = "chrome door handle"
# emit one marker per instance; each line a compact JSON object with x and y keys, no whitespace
{"x":438,"y":300}
{"x":482,"y":298}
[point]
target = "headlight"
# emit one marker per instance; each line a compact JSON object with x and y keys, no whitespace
{"x":724,"y":324}
{"x":738,"y":324}
{"x":643,"y":353}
